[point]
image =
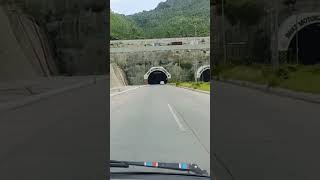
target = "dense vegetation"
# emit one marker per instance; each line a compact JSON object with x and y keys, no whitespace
{"x":173,"y":18}
{"x":123,"y":28}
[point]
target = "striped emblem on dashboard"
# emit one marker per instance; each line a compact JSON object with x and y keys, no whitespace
{"x":183,"y":166}
{"x":151,"y":164}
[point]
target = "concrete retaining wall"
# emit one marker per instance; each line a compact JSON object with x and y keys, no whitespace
{"x":181,"y":61}
{"x":24,"y":48}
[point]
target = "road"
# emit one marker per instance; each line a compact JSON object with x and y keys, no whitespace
{"x":263,"y":136}
{"x":62,"y":137}
{"x":161,"y":123}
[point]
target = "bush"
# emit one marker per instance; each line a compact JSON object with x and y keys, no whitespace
{"x":236,"y":60}
{"x":315,"y":69}
{"x":266,"y":72}
{"x":273,"y":81}
{"x":196,"y":85}
{"x":217,"y":70}
{"x":187,"y":65}
{"x":292,"y":68}
{"x":248,"y":60}
{"x":283,"y":73}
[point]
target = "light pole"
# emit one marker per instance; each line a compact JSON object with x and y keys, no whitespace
{"x":297,"y":39}
{"x":144,"y":62}
{"x":179,"y":68}
{"x":223,"y":34}
{"x":275,"y":29}
{"x":276,"y":35}
{"x":293,"y":9}
{"x":197,"y":63}
{"x":196,"y":68}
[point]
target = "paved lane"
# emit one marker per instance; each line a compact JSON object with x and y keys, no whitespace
{"x":60,"y":138}
{"x":262,"y":136}
{"x":162,"y":123}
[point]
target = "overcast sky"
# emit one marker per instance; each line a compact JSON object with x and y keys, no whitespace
{"x":129,"y":7}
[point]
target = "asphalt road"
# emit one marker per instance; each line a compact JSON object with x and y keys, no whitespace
{"x":263,"y":136}
{"x":63,"y":137}
{"x":161,"y":123}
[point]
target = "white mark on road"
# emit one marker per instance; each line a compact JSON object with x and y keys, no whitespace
{"x":176,"y":118}
{"x":125,"y":91}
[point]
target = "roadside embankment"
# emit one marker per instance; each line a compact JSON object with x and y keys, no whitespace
{"x":24,"y":49}
{"x":294,"y":81}
{"x":202,"y":87}
{"x":117,"y":77}
{"x":298,"y":78}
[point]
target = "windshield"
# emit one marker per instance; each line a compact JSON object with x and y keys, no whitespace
{"x":160,"y":83}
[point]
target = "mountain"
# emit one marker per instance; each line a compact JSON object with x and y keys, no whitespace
{"x":175,"y":18}
{"x":123,"y":28}
{"x":172,"y":18}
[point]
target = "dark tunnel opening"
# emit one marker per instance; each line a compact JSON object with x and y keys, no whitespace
{"x":309,"y":51}
{"x":156,"y":77}
{"x":205,"y":76}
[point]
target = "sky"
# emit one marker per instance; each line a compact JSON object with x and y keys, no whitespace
{"x":128,"y":7}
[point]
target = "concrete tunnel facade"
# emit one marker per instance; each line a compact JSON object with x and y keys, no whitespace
{"x":157,"y":74}
{"x":203,"y":73}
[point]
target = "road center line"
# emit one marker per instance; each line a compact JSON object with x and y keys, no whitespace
{"x":176,"y":118}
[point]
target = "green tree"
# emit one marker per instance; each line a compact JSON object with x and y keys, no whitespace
{"x":123,"y":28}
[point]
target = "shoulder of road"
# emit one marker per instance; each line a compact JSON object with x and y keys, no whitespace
{"x":120,"y":90}
{"x":308,"y":97}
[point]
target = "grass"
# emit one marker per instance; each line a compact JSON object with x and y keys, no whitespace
{"x":244,"y":73}
{"x":306,"y":79}
{"x":204,"y":86}
{"x":294,"y":77}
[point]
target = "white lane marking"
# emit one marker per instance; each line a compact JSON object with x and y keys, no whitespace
{"x":117,"y":87}
{"x":125,"y":91}
{"x":176,"y":118}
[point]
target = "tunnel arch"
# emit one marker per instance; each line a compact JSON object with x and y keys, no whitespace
{"x":157,"y":74}
{"x":308,"y":45}
{"x":289,"y":27}
{"x":307,"y":26}
{"x":203,"y":73}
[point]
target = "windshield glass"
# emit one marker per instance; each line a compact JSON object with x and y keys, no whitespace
{"x":160,"y":82}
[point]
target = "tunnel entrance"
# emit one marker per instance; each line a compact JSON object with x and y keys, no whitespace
{"x":309,"y":50}
{"x":205,"y":76}
{"x":156,"y":77}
